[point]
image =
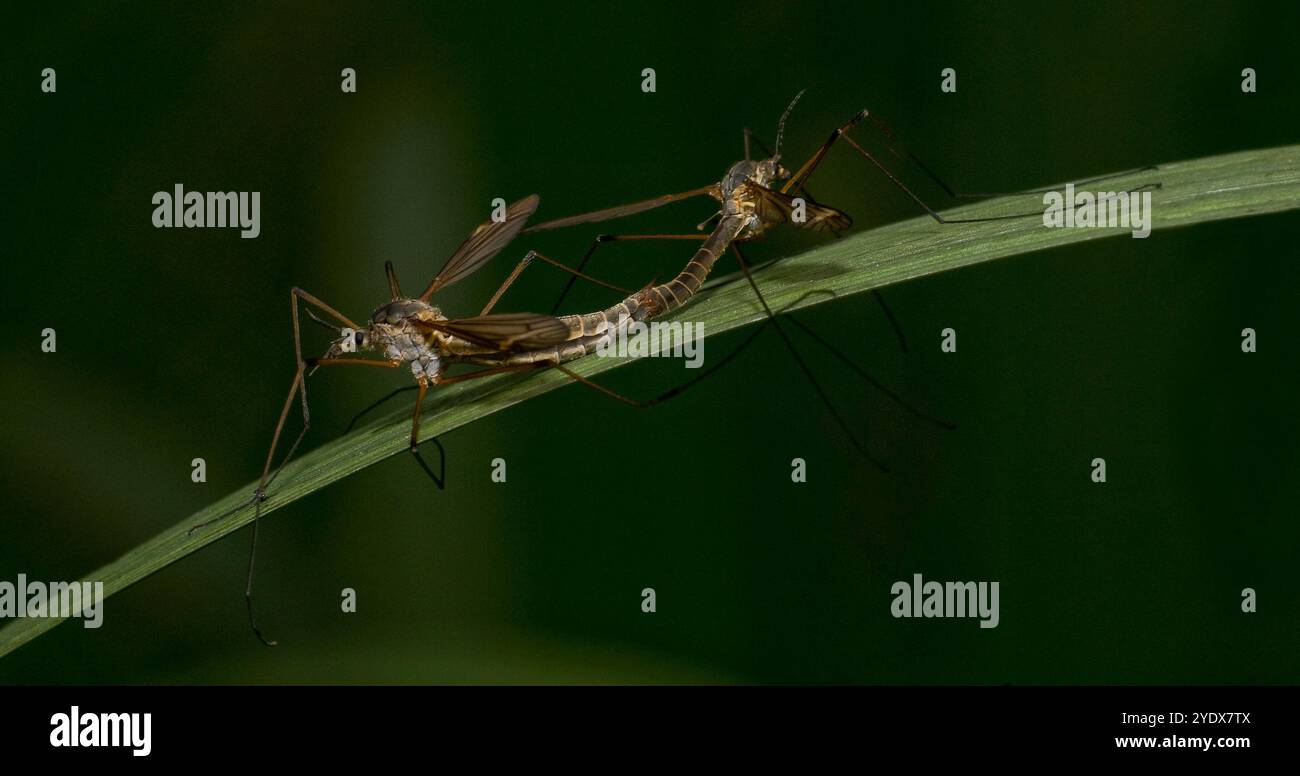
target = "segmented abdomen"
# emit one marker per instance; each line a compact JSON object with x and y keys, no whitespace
{"x":588,"y":331}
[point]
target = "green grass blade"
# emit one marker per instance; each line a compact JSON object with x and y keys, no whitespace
{"x":1209,"y":189}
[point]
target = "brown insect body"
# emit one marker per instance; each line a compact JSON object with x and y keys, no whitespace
{"x":745,"y":195}
{"x":741,"y":192}
{"x":395,"y":331}
{"x":588,"y":331}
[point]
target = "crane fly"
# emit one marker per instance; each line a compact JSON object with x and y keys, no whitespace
{"x":770,"y":196}
{"x":750,"y":202}
{"x":409,"y":330}
{"x":754,"y":182}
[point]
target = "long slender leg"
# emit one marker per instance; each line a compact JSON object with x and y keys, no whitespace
{"x":672,"y":392}
{"x":299,"y":387}
{"x":316,"y":363}
{"x":889,"y":316}
{"x":736,"y":351}
{"x":800,"y":178}
{"x":373,"y":405}
{"x":772,"y":320}
{"x":306,"y":297}
{"x":423,"y":387}
{"x":495,"y":370}
{"x":606,"y":238}
{"x":805,"y":171}
{"x":523,"y":264}
{"x":714,"y":367}
{"x":802,"y":187}
{"x":929,"y":210}
{"x":803,"y":366}
{"x":509,"y":281}
{"x":899,"y":400}
{"x":440,"y":480}
{"x":300,"y":382}
{"x":619,"y":211}
{"x":900,"y":151}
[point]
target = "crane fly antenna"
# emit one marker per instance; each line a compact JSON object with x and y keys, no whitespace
{"x":780,"y":125}
{"x":393,"y":286}
{"x":322,"y":322}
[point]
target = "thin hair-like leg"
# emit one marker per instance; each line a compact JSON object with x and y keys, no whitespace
{"x":670,"y":393}
{"x":801,"y":176}
{"x":802,"y":187}
{"x":574,"y":276}
{"x":607,"y":238}
{"x":439,"y":479}
{"x":842,"y":356}
{"x":803,"y":366}
{"x":378,"y":403}
{"x":717,"y":365}
{"x":900,"y":151}
{"x":619,"y":211}
{"x":299,"y":387}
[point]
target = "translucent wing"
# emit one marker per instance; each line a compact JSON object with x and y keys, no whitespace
{"x":817,"y":217}
{"x":621,"y":210}
{"x":483,"y":243}
{"x":506,"y":331}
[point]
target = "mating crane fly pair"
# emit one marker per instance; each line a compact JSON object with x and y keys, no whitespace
{"x":412,"y":330}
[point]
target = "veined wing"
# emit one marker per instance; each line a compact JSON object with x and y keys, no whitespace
{"x":621,"y":210}
{"x":505,"y":331}
{"x":817,"y":217}
{"x":483,"y":243}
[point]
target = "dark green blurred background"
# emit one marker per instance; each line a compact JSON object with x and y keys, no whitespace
{"x":176,"y":343}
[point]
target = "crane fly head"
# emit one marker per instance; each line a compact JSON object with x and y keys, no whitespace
{"x":770,"y":171}
{"x":763,"y":173}
{"x":350,"y":341}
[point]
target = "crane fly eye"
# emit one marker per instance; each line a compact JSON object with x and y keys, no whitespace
{"x":360,"y":337}
{"x":348,"y":342}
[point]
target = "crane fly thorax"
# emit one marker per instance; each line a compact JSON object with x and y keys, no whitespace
{"x":736,"y":177}
{"x":741,"y":192}
{"x":394,"y":331}
{"x":399,"y":310}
